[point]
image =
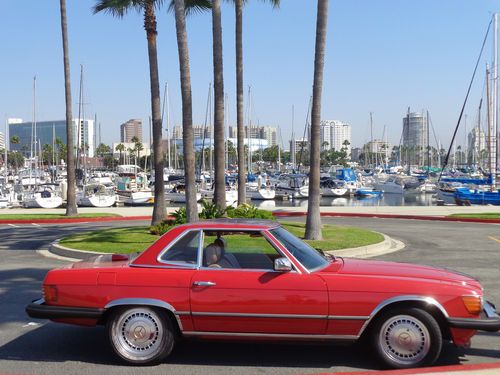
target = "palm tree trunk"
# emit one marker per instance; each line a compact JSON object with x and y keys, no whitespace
{"x":219,"y":149}
{"x":239,"y":102}
{"x":151,"y":32}
{"x":313,"y":222}
{"x":187,"y":112}
{"x":71,"y":209}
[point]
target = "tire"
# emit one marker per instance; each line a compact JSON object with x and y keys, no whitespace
{"x":140,"y":335}
{"x":406,"y":338}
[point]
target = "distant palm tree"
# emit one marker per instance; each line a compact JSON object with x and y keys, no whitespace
{"x":119,"y":8}
{"x":71,"y":209}
{"x":313,"y":221}
{"x":238,"y":8}
{"x":120,"y":147}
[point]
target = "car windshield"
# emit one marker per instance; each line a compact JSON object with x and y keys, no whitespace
{"x":305,"y":254}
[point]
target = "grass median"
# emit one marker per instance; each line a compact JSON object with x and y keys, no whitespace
{"x":486,"y":216}
{"x":134,"y":239}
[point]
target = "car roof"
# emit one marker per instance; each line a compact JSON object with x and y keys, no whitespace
{"x":239,"y":223}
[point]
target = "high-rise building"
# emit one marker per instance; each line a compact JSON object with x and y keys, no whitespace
{"x":476,"y":144}
{"x":199,"y":132}
{"x":334,"y":135}
{"x":268,"y":133}
{"x":2,"y":141}
{"x":32,"y":136}
{"x":130,"y":129}
{"x":415,"y":137}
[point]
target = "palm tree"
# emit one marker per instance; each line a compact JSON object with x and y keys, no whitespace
{"x":119,"y":8}
{"x":187,"y":111}
{"x":71,"y":209}
{"x":313,"y":222}
{"x":219,"y":149}
{"x":238,"y":8}
{"x":120,"y":147}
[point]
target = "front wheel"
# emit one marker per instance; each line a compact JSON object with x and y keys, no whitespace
{"x":405,"y":338}
{"x":140,"y":335}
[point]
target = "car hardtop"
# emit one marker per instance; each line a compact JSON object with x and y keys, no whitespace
{"x":227,"y":223}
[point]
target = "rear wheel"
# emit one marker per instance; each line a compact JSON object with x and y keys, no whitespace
{"x":405,"y":338}
{"x":140,"y":335}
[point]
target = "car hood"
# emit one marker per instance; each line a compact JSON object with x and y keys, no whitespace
{"x":359,"y":267}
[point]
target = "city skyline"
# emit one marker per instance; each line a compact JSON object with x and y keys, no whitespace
{"x":379,"y":60}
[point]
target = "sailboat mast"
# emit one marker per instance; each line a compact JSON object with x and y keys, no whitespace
{"x":494,"y":123}
{"x":168,"y":128}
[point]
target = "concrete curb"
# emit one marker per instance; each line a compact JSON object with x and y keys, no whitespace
{"x":388,"y":245}
{"x":74,"y":220}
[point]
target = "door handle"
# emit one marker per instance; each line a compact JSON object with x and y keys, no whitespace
{"x":204,"y":283}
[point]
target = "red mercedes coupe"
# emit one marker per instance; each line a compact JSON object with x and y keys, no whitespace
{"x":248,"y":279}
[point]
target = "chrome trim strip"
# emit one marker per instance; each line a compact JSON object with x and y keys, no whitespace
{"x":282,"y":316}
{"x":340,"y":317}
{"x":182,"y":313}
{"x":267,"y":270}
{"x":274,"y":335}
{"x":147,"y":302}
{"x":176,"y":266}
{"x":413,"y":298}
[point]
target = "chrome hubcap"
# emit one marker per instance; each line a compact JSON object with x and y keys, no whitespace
{"x":404,"y":339}
{"x":138,"y":334}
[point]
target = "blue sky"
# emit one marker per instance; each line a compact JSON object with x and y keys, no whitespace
{"x":383,"y":56}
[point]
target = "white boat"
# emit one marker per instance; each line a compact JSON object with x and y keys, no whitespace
{"x":43,"y":196}
{"x":396,"y":184}
{"x":231,"y":196}
{"x":333,"y":188}
{"x":427,"y":187}
{"x":264,"y":193}
{"x":132,"y":186}
{"x":293,"y":186}
{"x":177,"y":194}
{"x":96,"y":195}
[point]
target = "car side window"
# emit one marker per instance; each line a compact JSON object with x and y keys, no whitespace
{"x":184,"y":250}
{"x":238,"y":250}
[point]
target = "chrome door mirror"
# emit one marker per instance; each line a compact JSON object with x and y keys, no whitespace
{"x":282,"y":264}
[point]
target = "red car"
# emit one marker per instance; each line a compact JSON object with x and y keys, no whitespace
{"x":247,"y":279}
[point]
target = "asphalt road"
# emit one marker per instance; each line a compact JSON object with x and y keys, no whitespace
{"x":30,"y":346}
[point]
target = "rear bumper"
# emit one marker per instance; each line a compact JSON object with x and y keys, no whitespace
{"x":38,"y":309}
{"x":488,"y":321}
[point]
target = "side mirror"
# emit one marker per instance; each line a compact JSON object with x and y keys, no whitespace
{"x":282,"y":264}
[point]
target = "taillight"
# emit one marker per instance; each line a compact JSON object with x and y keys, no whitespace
{"x":50,"y":293}
{"x":473,"y":304}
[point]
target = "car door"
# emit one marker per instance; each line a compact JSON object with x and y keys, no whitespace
{"x":251,"y":297}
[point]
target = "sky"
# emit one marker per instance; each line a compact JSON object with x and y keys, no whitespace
{"x":382,"y":57}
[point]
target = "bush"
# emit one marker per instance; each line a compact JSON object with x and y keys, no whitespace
{"x":247,"y":211}
{"x":211,"y":210}
{"x":180,"y":216}
{"x":161,"y":228}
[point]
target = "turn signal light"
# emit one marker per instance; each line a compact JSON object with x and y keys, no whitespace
{"x":473,"y":304}
{"x":50,"y":293}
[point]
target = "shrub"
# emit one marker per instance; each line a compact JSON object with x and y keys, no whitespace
{"x":211,"y":210}
{"x":161,"y":228}
{"x":248,"y":211}
{"x":180,"y":216}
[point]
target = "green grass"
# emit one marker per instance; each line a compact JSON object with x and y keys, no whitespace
{"x":486,"y":215}
{"x":119,"y":240}
{"x":130,"y":240}
{"x":52,"y":216}
{"x":336,"y":237}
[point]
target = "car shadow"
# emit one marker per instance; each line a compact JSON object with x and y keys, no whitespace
{"x":56,"y":343}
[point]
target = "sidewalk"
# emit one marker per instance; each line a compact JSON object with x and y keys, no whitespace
{"x":395,"y":212}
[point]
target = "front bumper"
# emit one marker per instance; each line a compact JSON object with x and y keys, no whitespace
{"x":488,"y":321}
{"x":38,"y":309}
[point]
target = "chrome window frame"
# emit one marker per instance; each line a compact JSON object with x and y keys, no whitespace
{"x":264,"y":233}
{"x":176,"y":264}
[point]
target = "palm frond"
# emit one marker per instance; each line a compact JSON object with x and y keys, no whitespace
{"x":119,"y":8}
{"x":192,"y":6}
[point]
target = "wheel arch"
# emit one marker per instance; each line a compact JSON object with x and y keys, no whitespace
{"x":428,"y":304}
{"x":150,"y":302}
